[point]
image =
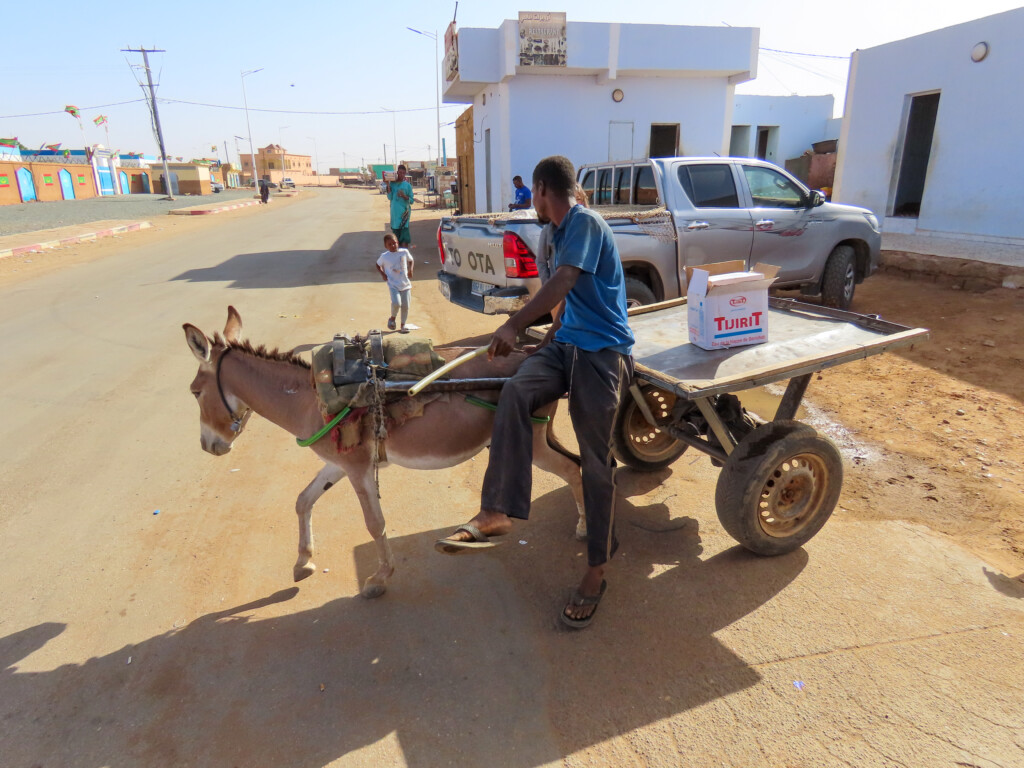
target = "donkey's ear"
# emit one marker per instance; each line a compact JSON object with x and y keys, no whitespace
{"x":233,"y":327}
{"x":197,"y":342}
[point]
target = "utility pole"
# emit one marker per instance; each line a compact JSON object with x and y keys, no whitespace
{"x":156,"y":115}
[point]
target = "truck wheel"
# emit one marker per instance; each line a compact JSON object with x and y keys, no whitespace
{"x":778,"y":487}
{"x":635,"y":442}
{"x":840,"y":278}
{"x":637,"y":293}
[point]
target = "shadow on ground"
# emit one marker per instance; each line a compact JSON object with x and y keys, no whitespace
{"x":350,"y":259}
{"x":462,"y":662}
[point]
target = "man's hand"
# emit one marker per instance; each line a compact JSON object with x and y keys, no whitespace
{"x":503,"y":342}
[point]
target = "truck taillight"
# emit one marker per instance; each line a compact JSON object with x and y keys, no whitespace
{"x":440,"y":245}
{"x":519,"y":262}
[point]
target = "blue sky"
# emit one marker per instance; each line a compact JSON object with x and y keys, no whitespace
{"x":346,"y":56}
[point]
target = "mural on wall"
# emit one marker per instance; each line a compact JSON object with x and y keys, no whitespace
{"x":541,"y":39}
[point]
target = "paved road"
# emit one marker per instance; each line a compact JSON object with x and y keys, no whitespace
{"x":148,"y":616}
{"x":30,"y":217}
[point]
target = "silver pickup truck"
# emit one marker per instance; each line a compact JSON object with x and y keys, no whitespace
{"x":668,"y":214}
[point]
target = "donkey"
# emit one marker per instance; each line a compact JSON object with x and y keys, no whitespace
{"x":236,"y":379}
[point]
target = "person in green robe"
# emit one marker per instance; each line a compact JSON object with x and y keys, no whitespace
{"x":399,"y":193}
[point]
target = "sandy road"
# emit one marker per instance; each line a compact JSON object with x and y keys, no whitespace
{"x":130,"y":638}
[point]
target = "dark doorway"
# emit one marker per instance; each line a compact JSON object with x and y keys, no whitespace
{"x":917,"y":147}
{"x":665,"y":140}
{"x":762,"y":144}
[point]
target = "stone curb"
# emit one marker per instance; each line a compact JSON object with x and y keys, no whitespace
{"x":966,"y":274}
{"x":201,"y":211}
{"x":83,"y":238}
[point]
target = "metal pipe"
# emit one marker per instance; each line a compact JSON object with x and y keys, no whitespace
{"x":447,"y":385}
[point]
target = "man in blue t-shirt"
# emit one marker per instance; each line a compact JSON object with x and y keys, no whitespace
{"x":523,"y":199}
{"x":585,"y":353}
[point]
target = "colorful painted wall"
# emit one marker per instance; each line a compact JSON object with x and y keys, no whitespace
{"x":46,"y":179}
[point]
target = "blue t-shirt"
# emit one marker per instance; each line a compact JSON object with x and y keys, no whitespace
{"x":523,"y":195}
{"x":595,"y":308}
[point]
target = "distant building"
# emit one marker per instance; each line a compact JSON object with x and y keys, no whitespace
{"x":932,"y":134}
{"x":591,"y":91}
{"x":274,"y":162}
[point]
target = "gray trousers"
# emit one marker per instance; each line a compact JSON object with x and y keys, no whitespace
{"x":594,"y":381}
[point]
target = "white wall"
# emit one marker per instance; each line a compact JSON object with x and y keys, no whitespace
{"x":974,"y":181}
{"x":668,"y":74}
{"x":801,"y":121}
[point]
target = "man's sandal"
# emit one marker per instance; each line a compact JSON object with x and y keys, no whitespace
{"x":454,"y":546}
{"x":579,"y":600}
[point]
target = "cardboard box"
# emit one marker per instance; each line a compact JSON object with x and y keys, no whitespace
{"x":727,"y":306}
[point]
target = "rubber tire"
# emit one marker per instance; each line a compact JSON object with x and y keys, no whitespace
{"x":840,"y":278}
{"x":638,"y":293}
{"x":750,"y":466}
{"x":623,"y":448}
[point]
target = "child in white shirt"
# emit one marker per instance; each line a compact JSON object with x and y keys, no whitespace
{"x":396,"y":267}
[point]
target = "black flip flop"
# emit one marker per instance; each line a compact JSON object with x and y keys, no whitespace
{"x":580,"y":600}
{"x":454,"y":547}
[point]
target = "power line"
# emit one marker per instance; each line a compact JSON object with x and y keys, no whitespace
{"x":797,"y":53}
{"x":61,"y":111}
{"x":302,"y":112}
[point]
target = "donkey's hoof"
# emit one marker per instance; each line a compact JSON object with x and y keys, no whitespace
{"x":581,"y":531}
{"x":371,"y":589}
{"x":301,"y":572}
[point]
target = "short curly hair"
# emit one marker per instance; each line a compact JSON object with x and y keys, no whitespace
{"x":557,"y":174}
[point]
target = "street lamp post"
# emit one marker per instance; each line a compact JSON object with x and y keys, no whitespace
{"x":316,"y":159}
{"x":279,"y":140}
{"x":394,"y":131}
{"x":245,"y":101}
{"x":437,"y":88}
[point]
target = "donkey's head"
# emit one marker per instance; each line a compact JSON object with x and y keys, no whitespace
{"x":222,"y":415}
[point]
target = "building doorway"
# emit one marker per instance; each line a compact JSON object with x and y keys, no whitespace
{"x":739,"y":141}
{"x":620,"y":140}
{"x":26,"y":185}
{"x":125,"y":186}
{"x":67,"y":187}
{"x":913,"y":160}
{"x":664,"y":140}
{"x":767,"y":142}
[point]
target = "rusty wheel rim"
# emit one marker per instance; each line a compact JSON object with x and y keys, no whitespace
{"x":647,"y":442}
{"x":793,"y":495}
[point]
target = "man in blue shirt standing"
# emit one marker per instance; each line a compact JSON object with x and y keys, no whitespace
{"x":585,"y":353}
{"x":524,"y":199}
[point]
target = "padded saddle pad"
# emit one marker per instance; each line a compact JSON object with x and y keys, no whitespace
{"x":406,"y":358}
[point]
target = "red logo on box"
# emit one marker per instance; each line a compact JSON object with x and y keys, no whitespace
{"x":738,"y":301}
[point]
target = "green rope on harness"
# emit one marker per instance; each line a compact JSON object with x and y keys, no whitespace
{"x":493,"y":407}
{"x":327,"y":428}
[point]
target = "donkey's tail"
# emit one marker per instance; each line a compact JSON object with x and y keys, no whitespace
{"x":553,"y":442}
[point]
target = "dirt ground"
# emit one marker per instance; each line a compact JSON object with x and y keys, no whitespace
{"x":934,"y":430}
{"x":942,"y":421}
{"x":165,"y":629}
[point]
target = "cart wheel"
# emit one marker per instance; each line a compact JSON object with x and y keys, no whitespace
{"x":635,"y":442}
{"x":779,"y":487}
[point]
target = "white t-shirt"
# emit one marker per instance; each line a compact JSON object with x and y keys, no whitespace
{"x":396,"y":266}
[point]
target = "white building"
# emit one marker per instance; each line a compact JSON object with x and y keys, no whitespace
{"x":934,"y":130}
{"x":593,"y":92}
{"x":779,"y":128}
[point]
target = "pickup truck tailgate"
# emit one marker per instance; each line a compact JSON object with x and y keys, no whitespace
{"x":473,"y":250}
